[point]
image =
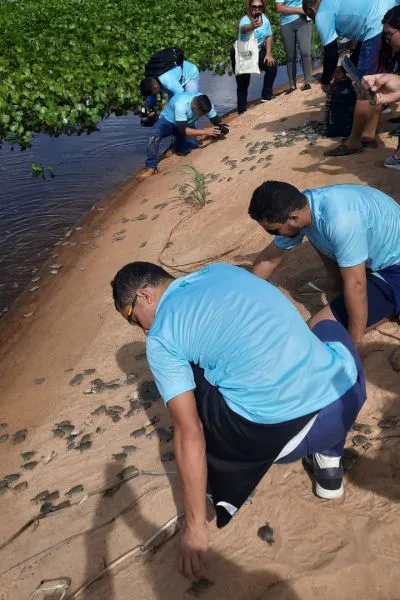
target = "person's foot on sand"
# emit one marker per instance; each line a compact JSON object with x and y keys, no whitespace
{"x":344,"y":150}
{"x":145,"y":173}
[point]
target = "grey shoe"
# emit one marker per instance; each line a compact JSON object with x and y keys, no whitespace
{"x":391,"y":162}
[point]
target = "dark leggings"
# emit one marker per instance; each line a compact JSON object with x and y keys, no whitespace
{"x":297,"y":33}
{"x":243,"y":81}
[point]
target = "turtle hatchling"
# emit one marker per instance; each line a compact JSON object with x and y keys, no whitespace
{"x":138,"y":433}
{"x":77,"y":489}
{"x":46,"y":508}
{"x":40,"y":497}
{"x":266,"y":534}
{"x":129,"y":449}
{"x":128,"y":473}
{"x":85,"y":445}
{"x":12,"y":477}
{"x":121,"y":457}
{"x":19,"y":436}
{"x":30,"y":465}
{"x":360,"y":440}
{"x":76,"y":380}
{"x":27,"y":455}
{"x":3,"y":438}
{"x":3,"y":426}
{"x":20,"y":487}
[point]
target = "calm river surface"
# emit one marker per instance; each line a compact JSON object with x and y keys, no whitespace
{"x":35,"y":214}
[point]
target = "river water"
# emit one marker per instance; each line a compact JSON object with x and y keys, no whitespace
{"x":35,"y":213}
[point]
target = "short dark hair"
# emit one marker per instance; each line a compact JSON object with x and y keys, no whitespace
{"x":204,"y":103}
{"x":134,"y":276}
{"x":392,"y":17}
{"x":309,"y":8}
{"x":273,"y":201}
{"x":146,"y":86}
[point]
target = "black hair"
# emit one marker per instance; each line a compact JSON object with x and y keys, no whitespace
{"x":203,"y":102}
{"x":309,"y":8}
{"x":146,"y":86}
{"x":134,"y":276}
{"x":273,"y":201}
{"x":392,"y":17}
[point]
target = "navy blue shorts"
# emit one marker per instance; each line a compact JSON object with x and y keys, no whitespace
{"x":381,"y":302}
{"x":368,"y":60}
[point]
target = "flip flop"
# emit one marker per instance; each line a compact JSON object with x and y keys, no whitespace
{"x":369,"y":142}
{"x":343,"y":150}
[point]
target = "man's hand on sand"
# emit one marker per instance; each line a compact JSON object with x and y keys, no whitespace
{"x":194,"y":546}
{"x":385,"y":86}
{"x":212,"y":131}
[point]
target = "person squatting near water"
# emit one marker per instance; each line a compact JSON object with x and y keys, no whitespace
{"x":179,"y":119}
{"x":360,"y":21}
{"x":247,"y":384}
{"x":256,"y":23}
{"x":356,"y":231}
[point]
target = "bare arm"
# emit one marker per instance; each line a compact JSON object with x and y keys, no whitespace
{"x":190,"y":453}
{"x":267,"y":261}
{"x":285,"y":10}
{"x":356,"y":301}
{"x":212,"y":131}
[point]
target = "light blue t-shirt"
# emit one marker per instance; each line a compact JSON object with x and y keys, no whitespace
{"x":285,"y":19}
{"x":175,"y":80}
{"x":352,"y":224}
{"x":354,"y":19}
{"x":260,"y":33}
{"x":179,"y":109}
{"x":251,"y":342}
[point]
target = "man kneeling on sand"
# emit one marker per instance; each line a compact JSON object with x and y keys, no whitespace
{"x":179,"y":120}
{"x":247,"y":384}
{"x":356,"y":231}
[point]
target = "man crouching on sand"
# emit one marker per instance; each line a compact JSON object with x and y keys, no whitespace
{"x":179,"y":119}
{"x":247,"y":384}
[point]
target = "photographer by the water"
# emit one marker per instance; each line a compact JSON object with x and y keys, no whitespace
{"x":179,"y":119}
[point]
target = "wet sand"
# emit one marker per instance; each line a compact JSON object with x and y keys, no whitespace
{"x":325,"y":550}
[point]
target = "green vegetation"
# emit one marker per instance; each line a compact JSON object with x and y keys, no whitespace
{"x":65,"y":65}
{"x":195,"y":192}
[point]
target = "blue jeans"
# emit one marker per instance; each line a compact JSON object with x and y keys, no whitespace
{"x":160,"y":130}
{"x":366,"y":55}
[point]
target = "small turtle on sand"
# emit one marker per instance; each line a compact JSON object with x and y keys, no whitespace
{"x":3,"y":426}
{"x":19,"y":436}
{"x":85,"y":445}
{"x":39,"y":380}
{"x":138,"y":433}
{"x":52,"y":496}
{"x":142,"y":216}
{"x":266,"y":533}
{"x":164,"y":435}
{"x":129,"y":449}
{"x":30,"y":465}
{"x":40,"y":497}
{"x":77,"y":379}
{"x":77,"y":489}
{"x":20,"y":487}
{"x":3,"y":438}
{"x":4,"y":489}
{"x":121,"y":457}
{"x":89,"y":372}
{"x":199,"y":587}
{"x":116,"y":409}
{"x":27,"y":455}
{"x":100,"y":410}
{"x":128,"y":473}
{"x":360,"y":440}
{"x":137,"y":406}
{"x":46,"y":508}
{"x":12,"y":477}
{"x":66,"y":427}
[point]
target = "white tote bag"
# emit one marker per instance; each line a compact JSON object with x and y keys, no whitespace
{"x":246,"y":56}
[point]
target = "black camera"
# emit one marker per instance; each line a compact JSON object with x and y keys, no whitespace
{"x":148,"y":116}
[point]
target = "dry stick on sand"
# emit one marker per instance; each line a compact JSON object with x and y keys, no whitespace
{"x":165,"y":532}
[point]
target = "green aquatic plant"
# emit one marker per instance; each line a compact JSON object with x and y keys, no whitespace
{"x":196,"y":190}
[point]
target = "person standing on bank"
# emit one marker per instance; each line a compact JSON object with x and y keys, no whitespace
{"x":257,"y":23}
{"x":247,"y":385}
{"x":361,"y":21}
{"x":296,"y":30}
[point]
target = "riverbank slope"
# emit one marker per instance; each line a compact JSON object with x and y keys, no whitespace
{"x":56,"y":335}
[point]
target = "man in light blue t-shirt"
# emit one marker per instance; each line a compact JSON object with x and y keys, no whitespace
{"x":185,"y":78}
{"x":178,"y":119}
{"x":355,"y":229}
{"x":360,"y":21}
{"x":247,"y":384}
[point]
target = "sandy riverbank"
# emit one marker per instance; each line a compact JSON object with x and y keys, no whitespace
{"x":323,"y":550}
